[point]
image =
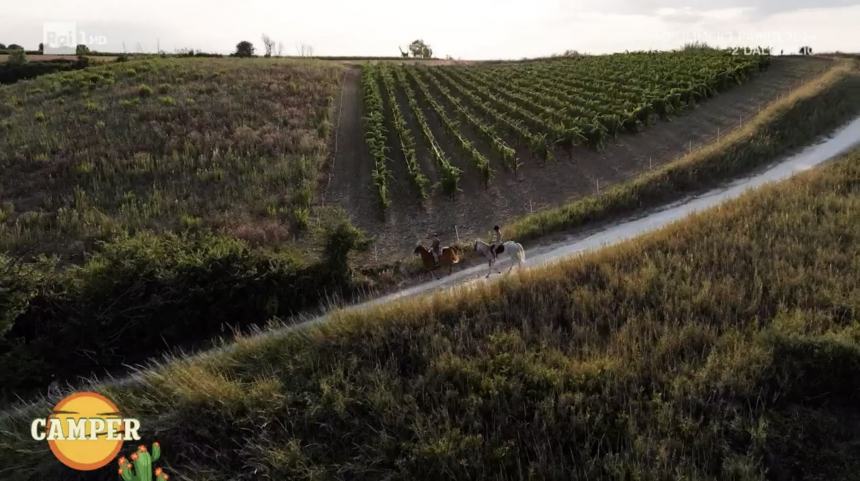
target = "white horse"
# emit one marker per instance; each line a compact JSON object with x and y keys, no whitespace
{"x":514,"y":249}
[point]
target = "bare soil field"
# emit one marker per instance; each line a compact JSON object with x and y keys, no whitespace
{"x":538,"y":184}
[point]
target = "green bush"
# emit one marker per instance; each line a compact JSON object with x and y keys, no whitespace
{"x":141,"y":295}
{"x":144,"y":90}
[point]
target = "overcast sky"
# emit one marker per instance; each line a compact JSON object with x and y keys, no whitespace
{"x":474,"y":29}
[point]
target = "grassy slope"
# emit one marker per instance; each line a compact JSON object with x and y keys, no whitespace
{"x":723,"y":347}
{"x":163,"y":144}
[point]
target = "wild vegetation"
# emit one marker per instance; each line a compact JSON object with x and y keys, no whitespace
{"x":539,"y":106}
{"x":165,"y":201}
{"x":164,"y":145}
{"x":723,"y":347}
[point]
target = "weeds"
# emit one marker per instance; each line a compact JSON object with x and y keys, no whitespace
{"x":219,"y":158}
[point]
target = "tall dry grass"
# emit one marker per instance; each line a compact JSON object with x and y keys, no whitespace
{"x":726,"y":346}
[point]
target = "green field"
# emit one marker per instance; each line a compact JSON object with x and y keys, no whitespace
{"x":723,"y":347}
{"x":531,"y":108}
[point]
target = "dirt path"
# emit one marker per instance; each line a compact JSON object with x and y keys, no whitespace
{"x":538,"y":185}
{"x":351,"y":180}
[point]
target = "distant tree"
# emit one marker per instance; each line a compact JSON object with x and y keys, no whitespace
{"x":244,"y":49}
{"x":305,"y":50}
{"x":82,"y":49}
{"x":268,"y":45}
{"x":420,"y":49}
{"x":14,"y":46}
{"x":17,"y":57}
{"x":280,"y":49}
{"x":806,"y":50}
{"x":2,"y":46}
{"x":41,"y":48}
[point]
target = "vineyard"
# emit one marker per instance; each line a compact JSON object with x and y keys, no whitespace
{"x":491,"y":116}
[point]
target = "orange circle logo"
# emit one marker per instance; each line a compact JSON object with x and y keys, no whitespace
{"x":85,"y":431}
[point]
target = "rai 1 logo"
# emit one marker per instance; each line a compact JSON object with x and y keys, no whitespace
{"x":86,"y":430}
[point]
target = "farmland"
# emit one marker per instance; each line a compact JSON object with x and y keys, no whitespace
{"x":154,"y":205}
{"x":541,"y":105}
{"x":723,"y":347}
{"x":481,"y":143}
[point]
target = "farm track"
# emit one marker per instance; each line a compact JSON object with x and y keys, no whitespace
{"x":577,"y":172}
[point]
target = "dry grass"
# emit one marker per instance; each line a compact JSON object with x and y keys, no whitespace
{"x":722,"y":347}
{"x":163,"y":145}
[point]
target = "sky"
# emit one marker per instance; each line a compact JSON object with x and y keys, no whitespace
{"x":465,"y":29}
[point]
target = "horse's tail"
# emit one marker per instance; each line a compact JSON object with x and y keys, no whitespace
{"x":521,"y":254}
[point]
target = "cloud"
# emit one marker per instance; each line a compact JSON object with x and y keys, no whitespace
{"x":691,"y":15}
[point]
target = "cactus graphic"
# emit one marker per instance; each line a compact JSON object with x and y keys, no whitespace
{"x":140,"y":466}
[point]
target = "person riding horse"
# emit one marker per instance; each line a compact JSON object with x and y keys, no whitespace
{"x":497,"y":240}
{"x":436,"y":248}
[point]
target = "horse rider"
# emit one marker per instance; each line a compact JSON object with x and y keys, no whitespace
{"x":496,"y":241}
{"x":436,"y":248}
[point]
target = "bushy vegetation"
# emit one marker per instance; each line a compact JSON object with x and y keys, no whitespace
{"x":148,"y":294}
{"x":723,"y":347}
{"x":11,"y":72}
{"x":112,"y":150}
{"x":152,"y":205}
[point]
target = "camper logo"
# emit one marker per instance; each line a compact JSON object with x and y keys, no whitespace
{"x":85,"y":431}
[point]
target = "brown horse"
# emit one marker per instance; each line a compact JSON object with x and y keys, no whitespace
{"x":449,"y":257}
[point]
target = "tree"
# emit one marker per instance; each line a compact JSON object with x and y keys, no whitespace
{"x":41,"y":48}
{"x":280,"y":49}
{"x":244,"y":49}
{"x":420,"y":49}
{"x":268,"y":45}
{"x":14,"y":46}
{"x":82,"y":49}
{"x":2,"y":46}
{"x":305,"y":50}
{"x":16,"y":57}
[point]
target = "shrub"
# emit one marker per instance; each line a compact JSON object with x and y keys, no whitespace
{"x":16,"y":57}
{"x":340,"y":241}
{"x":176,"y":290}
{"x":144,"y":90}
{"x":167,"y":101}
